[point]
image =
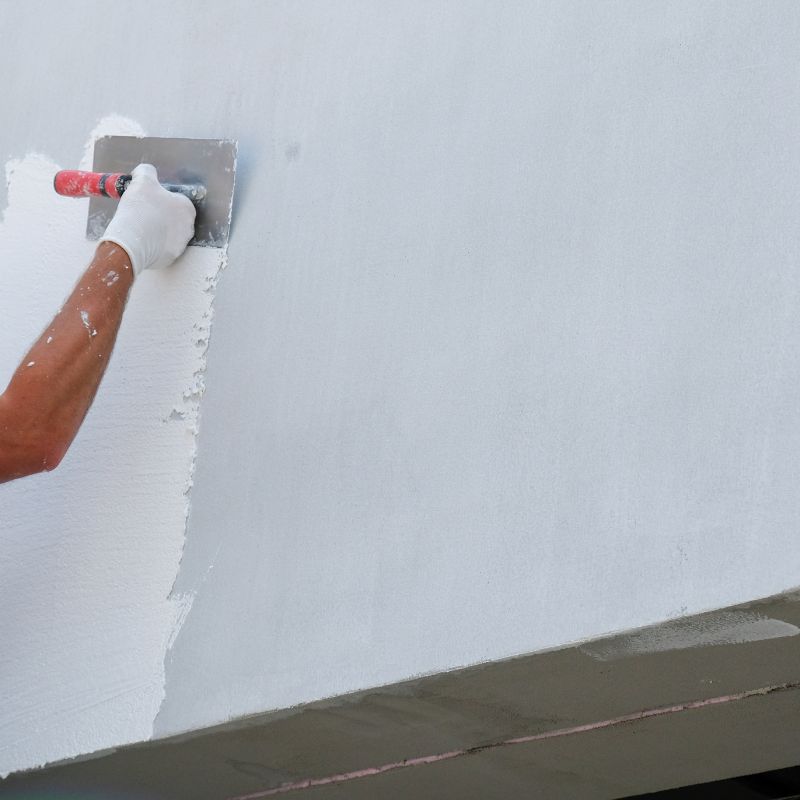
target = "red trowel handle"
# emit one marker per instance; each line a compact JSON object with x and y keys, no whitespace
{"x":74,"y":183}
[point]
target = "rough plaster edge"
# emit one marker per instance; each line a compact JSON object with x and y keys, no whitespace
{"x":190,"y":411}
{"x":120,"y":125}
{"x":192,"y":397}
{"x":109,"y":125}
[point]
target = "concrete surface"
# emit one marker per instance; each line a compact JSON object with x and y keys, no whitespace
{"x":589,"y":728}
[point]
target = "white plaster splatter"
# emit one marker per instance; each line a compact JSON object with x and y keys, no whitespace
{"x":30,"y":364}
{"x":91,"y":551}
{"x":110,"y":125}
{"x":708,"y":630}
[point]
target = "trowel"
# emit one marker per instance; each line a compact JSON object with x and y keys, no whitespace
{"x":202,"y":169}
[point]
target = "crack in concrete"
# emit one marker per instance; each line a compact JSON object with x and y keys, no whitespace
{"x":344,"y":777}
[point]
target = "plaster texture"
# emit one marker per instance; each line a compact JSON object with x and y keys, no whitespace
{"x":89,"y":553}
{"x":508,"y":353}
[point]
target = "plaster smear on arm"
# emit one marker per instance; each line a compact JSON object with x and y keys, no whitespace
{"x":89,"y":553}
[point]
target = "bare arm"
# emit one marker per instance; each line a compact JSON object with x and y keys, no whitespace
{"x":54,"y":386}
{"x":52,"y":389}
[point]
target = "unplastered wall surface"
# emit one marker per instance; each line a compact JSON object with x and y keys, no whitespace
{"x":525,"y":350}
{"x":507,"y":352}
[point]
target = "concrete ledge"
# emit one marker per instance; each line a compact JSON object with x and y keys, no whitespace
{"x":694,"y":700}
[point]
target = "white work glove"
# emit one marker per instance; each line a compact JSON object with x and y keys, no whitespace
{"x":152,"y":225}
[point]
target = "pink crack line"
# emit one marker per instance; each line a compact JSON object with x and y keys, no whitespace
{"x":343,"y":777}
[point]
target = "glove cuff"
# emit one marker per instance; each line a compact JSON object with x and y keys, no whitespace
{"x":136,"y":266}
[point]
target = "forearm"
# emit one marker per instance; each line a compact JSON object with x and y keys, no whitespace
{"x":54,"y":386}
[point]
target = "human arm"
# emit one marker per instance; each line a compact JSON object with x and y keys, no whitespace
{"x":55,"y":384}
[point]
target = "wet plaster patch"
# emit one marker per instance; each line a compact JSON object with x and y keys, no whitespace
{"x":89,"y":553}
{"x":708,"y":630}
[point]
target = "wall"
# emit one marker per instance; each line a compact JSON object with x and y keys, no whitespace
{"x":506,"y":355}
{"x":89,"y":553}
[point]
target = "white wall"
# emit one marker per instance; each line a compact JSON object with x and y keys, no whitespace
{"x":506,"y":355}
{"x":89,"y":553}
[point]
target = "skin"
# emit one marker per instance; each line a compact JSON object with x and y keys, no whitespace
{"x":54,"y":386}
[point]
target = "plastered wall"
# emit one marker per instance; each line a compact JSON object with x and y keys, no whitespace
{"x":506,"y":353}
{"x":89,"y":553}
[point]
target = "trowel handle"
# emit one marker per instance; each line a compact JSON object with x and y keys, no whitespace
{"x":75,"y":183}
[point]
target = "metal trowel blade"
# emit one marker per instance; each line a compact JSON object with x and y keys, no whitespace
{"x":211,"y":162}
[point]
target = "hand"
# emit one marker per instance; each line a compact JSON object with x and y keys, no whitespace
{"x":152,"y":225}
